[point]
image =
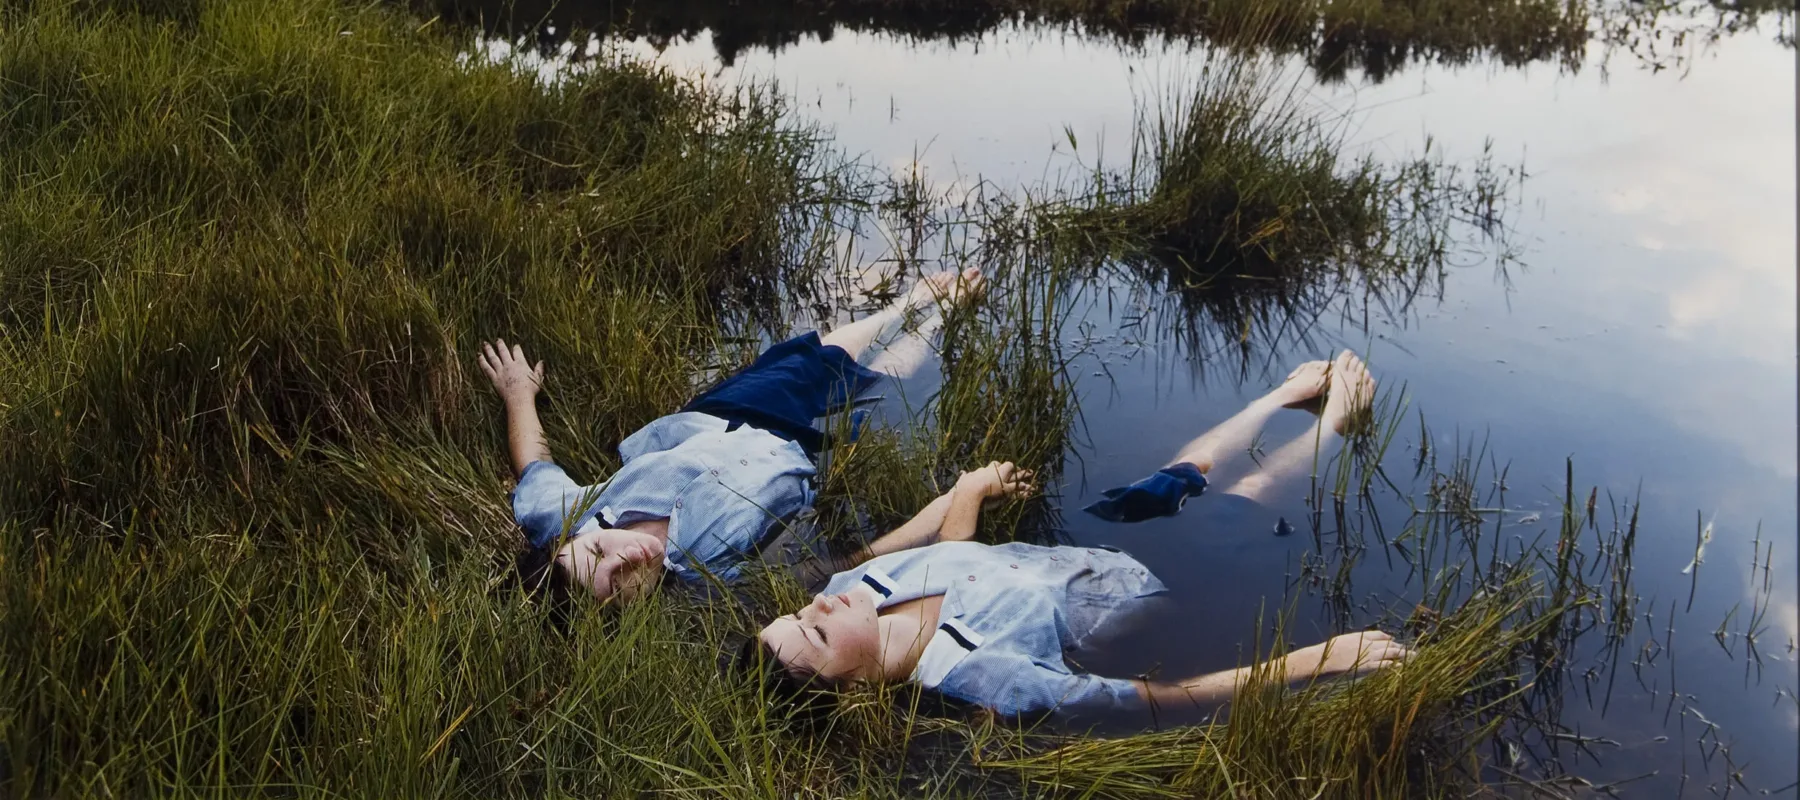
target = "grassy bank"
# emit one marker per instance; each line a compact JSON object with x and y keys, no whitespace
{"x":254,"y":532}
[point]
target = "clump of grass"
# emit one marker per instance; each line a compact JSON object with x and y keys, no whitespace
{"x":1397,"y":733}
{"x":1241,"y":208}
{"x":232,"y":239}
{"x":1240,"y":179}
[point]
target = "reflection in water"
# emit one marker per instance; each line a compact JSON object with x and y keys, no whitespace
{"x":1604,"y":700}
{"x":1584,"y":688}
{"x":1333,"y":36}
{"x":1244,"y":222}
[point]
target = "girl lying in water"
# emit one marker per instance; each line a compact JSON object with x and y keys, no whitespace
{"x":993,"y":625}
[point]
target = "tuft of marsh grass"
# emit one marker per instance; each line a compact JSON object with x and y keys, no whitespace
{"x":1248,"y":223}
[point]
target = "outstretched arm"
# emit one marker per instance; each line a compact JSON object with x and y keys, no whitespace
{"x":919,"y":531}
{"x":517,"y":383}
{"x":951,"y":517}
{"x":1349,"y":654}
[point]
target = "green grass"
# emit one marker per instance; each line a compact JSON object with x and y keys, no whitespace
{"x":254,"y":531}
{"x":1241,"y":205}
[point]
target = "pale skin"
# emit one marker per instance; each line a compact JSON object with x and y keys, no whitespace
{"x":623,"y":563}
{"x":844,"y":637}
{"x":848,"y":638}
{"x":1347,"y":388}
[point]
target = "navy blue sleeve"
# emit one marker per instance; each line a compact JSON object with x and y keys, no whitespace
{"x":1160,"y":495}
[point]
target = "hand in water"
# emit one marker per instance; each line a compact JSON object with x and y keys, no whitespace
{"x":1350,"y":654}
{"x":950,"y":287}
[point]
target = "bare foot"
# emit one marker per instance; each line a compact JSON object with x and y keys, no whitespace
{"x":948,"y":286}
{"x":1305,"y":385}
{"x":1352,"y":391}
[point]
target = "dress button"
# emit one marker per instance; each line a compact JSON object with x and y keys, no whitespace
{"x":1014,"y":566}
{"x":1054,"y":558}
{"x":971,"y":577}
{"x":677,"y":503}
{"x":744,"y":461}
{"x":715,"y":473}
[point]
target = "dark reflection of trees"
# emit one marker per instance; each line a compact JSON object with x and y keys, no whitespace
{"x":1378,"y":39}
{"x":1241,"y":327}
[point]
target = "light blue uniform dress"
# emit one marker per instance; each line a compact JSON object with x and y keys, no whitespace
{"x":720,"y":488}
{"x":1009,"y":615}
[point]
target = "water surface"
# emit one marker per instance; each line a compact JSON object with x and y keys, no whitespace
{"x":1647,"y":331}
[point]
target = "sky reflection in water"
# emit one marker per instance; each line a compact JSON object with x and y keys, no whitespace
{"x":1649,"y":332}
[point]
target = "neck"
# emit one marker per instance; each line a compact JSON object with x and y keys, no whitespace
{"x":658,"y":528}
{"x":903,"y":641}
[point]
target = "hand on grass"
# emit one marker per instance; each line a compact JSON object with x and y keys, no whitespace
{"x":514,"y":377}
{"x":1350,"y":654}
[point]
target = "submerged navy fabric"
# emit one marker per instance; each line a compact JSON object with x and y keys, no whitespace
{"x":790,"y":385}
{"x":1160,"y":495}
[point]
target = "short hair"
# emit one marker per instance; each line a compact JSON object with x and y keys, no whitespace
{"x":810,"y":698}
{"x":543,"y":578}
{"x":806,"y":696}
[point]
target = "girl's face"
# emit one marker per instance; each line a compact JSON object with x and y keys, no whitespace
{"x":836,"y":637}
{"x":613,"y":562}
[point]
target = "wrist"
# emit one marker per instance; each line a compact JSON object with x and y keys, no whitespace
{"x":1299,"y":665}
{"x":976,"y":496}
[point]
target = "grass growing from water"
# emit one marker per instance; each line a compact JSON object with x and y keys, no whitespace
{"x":1242,"y":206}
{"x":254,"y":532}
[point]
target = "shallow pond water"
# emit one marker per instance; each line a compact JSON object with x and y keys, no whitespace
{"x":1646,"y":330}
